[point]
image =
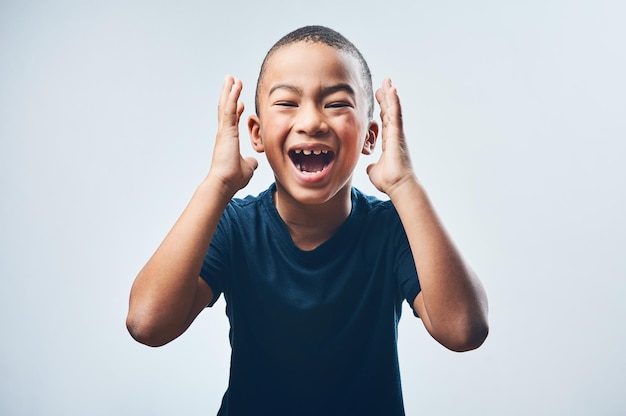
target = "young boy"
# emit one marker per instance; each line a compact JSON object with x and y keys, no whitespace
{"x":313,"y":271}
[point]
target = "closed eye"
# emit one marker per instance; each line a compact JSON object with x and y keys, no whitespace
{"x":286,"y":104}
{"x":338,"y":105}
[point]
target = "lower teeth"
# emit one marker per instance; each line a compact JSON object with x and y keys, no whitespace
{"x":306,"y":171}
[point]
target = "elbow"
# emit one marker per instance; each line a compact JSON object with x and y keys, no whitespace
{"x":144,"y":332}
{"x":462,"y":334}
{"x":469,"y":337}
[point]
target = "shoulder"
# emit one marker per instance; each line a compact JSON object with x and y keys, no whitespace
{"x":377,"y":217}
{"x":369,"y":206}
{"x":252,"y":200}
{"x":251,"y":204}
{"x":244,"y":214}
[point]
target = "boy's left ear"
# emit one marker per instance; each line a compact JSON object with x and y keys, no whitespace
{"x":370,"y":139}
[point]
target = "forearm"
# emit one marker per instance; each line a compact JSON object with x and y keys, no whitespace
{"x":452,"y":299}
{"x":164,"y":292}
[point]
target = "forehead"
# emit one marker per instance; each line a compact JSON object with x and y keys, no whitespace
{"x":305,"y":64}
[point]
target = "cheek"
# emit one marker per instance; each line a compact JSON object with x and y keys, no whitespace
{"x":352,"y":132}
{"x":274,"y":126}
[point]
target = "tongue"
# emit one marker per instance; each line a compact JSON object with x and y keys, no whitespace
{"x":312,"y":163}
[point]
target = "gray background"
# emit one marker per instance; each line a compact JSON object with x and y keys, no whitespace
{"x":515,"y":117}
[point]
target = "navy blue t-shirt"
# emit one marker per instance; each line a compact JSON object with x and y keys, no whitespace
{"x":312,"y":332}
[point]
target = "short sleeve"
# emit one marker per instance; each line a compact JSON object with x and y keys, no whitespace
{"x":404,"y":269}
{"x":215,"y":268}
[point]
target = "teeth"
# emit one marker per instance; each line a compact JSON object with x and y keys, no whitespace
{"x":309,"y":152}
{"x":306,"y":172}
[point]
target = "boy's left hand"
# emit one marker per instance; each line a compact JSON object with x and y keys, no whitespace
{"x":394,"y":166}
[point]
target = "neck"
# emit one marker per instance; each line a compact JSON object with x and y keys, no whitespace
{"x":312,"y":224}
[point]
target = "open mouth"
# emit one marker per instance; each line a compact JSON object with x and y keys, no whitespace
{"x":311,"y":161}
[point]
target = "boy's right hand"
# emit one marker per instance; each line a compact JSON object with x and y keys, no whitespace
{"x":228,"y":167}
{"x":168,"y":293}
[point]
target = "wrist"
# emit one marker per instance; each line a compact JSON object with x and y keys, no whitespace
{"x":217,"y":188}
{"x":406,"y":187}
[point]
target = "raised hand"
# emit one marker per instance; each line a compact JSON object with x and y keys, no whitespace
{"x":394,"y":166}
{"x":452,"y":302}
{"x":228,"y":166}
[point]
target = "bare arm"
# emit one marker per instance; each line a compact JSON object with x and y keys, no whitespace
{"x":168,"y":293}
{"x":452,"y":303}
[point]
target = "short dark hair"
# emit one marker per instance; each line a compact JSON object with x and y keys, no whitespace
{"x":330,"y":37}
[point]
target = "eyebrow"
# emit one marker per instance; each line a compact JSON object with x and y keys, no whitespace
{"x":336,"y":88}
{"x":291,"y":88}
{"x":325,"y":91}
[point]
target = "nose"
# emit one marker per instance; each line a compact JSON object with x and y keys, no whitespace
{"x":311,"y":121}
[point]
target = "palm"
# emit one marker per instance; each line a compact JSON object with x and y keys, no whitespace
{"x":394,"y":164}
{"x":228,"y":164}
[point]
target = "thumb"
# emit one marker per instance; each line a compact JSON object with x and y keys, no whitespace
{"x":252,"y":162}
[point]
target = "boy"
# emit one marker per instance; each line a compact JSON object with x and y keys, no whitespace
{"x":313,"y":271}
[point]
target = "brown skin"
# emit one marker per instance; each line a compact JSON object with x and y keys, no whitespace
{"x":168,"y":293}
{"x":453,"y":302}
{"x":311,"y":98}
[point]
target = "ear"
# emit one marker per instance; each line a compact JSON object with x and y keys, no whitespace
{"x":254,"y":128}
{"x":370,"y":139}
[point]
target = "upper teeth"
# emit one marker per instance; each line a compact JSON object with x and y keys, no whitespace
{"x":308,"y":152}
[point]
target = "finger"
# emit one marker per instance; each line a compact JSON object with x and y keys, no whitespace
{"x":382,"y":96}
{"x":226,"y":88}
{"x":229,"y":108}
{"x":391,"y":111}
{"x":233,"y":109}
{"x":394,"y":109}
{"x":240,"y":108}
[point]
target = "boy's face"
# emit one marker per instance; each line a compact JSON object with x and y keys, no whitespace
{"x":312,"y":122}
